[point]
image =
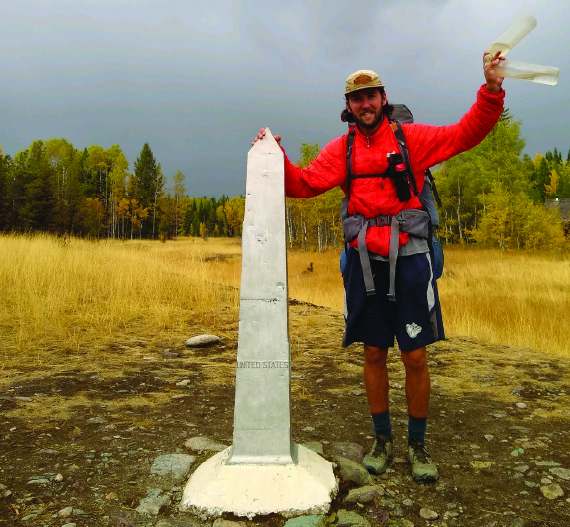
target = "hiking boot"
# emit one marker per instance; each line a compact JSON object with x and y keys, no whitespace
{"x":381,"y":454}
{"x":423,"y":468}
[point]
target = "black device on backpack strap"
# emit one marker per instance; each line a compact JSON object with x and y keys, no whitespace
{"x":401,"y":138}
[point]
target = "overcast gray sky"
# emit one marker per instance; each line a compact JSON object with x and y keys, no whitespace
{"x":196,"y":79}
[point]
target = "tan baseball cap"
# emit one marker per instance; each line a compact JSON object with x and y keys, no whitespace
{"x":362,"y":79}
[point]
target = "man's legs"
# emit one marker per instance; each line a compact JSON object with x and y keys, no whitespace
{"x":376,"y":378}
{"x":417,"y":382}
{"x":376,"y":382}
{"x":417,"y":395}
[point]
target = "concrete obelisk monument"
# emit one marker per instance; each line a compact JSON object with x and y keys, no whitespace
{"x":264,"y":471}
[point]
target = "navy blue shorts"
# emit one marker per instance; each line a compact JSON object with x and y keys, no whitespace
{"x":414,"y":319}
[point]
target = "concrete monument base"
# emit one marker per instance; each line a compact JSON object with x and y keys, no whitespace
{"x":305,"y":487}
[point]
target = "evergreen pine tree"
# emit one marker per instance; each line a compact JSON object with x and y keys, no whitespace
{"x":37,"y":211}
{"x":542,"y":178}
{"x":145,"y":186}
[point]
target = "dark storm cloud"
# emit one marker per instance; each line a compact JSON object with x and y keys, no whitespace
{"x":197,"y":79}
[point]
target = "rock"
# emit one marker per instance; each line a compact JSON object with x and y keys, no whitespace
{"x":552,"y":491}
{"x":49,"y":451}
{"x":354,"y":472}
{"x":352,"y":451}
{"x":365,"y":494}
{"x":97,"y":420}
{"x":497,"y":415}
{"x":65,"y":513}
{"x":201,"y":444}
{"x":38,"y":480}
{"x":203,"y":341}
{"x":517,"y":522}
{"x":517,"y":452}
{"x":305,"y":521}
{"x":175,"y":466}
{"x":521,"y":429}
{"x":315,"y":446}
{"x":522,"y":468}
{"x":562,"y":473}
{"x":33,"y":514}
{"x":488,"y":437}
{"x":153,"y":503}
{"x":4,"y":491}
{"x":428,"y":514}
{"x":351,"y":519}
{"x":69,"y":525}
{"x":170,"y":355}
{"x":308,"y":429}
{"x":522,"y":406}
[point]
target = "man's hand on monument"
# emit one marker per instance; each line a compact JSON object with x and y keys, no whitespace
{"x":494,"y":81}
{"x":261,"y":135}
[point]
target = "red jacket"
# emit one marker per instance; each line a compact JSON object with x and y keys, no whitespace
{"x":427,"y":145}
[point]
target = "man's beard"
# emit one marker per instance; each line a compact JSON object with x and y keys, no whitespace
{"x":369,"y":125}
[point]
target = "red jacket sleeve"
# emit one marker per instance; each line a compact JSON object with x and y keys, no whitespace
{"x":327,"y":171}
{"x":430,"y":145}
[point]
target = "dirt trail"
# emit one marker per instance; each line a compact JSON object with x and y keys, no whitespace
{"x":82,"y":438}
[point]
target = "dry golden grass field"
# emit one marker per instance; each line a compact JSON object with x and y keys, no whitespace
{"x":96,"y":380}
{"x":75,"y":296}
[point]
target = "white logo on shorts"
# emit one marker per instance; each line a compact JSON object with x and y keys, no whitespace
{"x":413,"y":330}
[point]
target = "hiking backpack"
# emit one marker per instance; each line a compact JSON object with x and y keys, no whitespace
{"x":428,"y":197}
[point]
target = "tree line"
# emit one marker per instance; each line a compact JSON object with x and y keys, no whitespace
{"x":494,"y":196}
{"x":54,"y":187}
{"x":491,"y":195}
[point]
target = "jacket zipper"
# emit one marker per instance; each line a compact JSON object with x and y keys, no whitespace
{"x":367,"y":141}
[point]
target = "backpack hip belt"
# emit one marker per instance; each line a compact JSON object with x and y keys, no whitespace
{"x":411,"y":221}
